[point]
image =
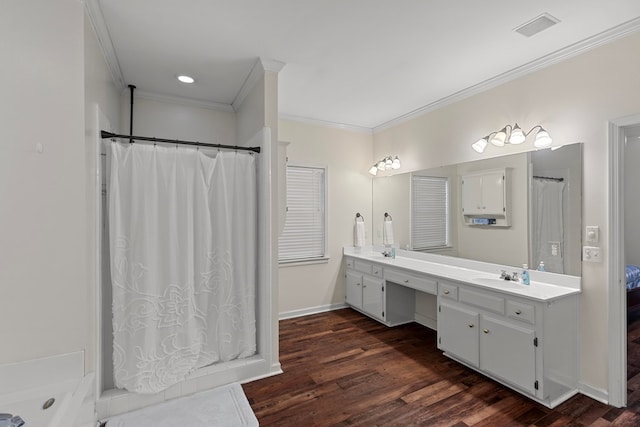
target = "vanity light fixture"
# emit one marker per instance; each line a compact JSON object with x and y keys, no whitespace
{"x":385,"y":164}
{"x":513,"y":135}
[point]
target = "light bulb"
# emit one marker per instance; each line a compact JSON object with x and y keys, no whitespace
{"x":517,"y":136}
{"x":396,"y":163}
{"x":499,"y":138}
{"x":388,"y":163}
{"x":542,"y":139}
{"x":374,"y":170}
{"x":480,"y":145}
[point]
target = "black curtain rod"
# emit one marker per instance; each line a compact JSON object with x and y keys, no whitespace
{"x":549,"y":178}
{"x":104,"y":134}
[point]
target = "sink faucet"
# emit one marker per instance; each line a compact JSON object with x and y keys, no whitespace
{"x":504,"y":275}
{"x":391,"y":253}
{"x":515,"y":277}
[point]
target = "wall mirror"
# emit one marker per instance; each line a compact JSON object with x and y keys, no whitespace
{"x":545,"y":203}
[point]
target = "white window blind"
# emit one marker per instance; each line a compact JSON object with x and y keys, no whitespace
{"x":430,"y":212}
{"x":303,"y":237}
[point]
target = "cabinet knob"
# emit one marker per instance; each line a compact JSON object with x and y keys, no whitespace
{"x":375,"y":272}
{"x":446,"y":292}
{"x":486,"y":331}
{"x":406,"y":280}
{"x":357,"y":284}
{"x":471,"y":325}
{"x":364,"y":286}
{"x":518,"y":312}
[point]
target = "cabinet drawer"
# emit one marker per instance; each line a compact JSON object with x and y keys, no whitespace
{"x":446,"y":290}
{"x":362,"y":266}
{"x":521,"y":311}
{"x":376,"y":270}
{"x":348,"y":262}
{"x":482,"y":300}
{"x":420,"y":283}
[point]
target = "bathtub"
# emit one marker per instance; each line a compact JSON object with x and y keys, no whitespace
{"x":47,"y":400}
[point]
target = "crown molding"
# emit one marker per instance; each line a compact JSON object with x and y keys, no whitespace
{"x":326,"y":124}
{"x":101,"y":31}
{"x":560,"y":55}
{"x":257,"y":71}
{"x":180,"y":100}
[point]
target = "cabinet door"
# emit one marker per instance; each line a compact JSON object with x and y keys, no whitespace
{"x":458,"y":332}
{"x":354,"y":289}
{"x":372,"y":296}
{"x":493,"y":193}
{"x":472,"y":195}
{"x":507,"y":351}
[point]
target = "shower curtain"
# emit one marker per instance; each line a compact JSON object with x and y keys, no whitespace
{"x":548,"y":224}
{"x":183,"y":262}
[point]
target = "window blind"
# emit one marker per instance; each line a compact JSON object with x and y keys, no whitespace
{"x":303,"y":236}
{"x":429,"y":212}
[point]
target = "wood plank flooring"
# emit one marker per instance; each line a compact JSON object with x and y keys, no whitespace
{"x":344,"y":369}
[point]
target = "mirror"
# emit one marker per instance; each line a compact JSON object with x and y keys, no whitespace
{"x":544,"y":190}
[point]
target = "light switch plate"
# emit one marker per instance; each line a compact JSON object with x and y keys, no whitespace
{"x":593,"y":233}
{"x":591,"y":254}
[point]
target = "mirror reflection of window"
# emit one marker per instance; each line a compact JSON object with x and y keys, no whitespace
{"x":430,"y":218}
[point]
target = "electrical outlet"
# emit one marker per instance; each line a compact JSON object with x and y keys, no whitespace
{"x":591,"y":254}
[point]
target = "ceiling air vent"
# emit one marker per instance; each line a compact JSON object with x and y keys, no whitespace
{"x":536,"y":25}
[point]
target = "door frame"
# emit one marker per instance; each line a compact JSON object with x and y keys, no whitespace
{"x":617,"y":318}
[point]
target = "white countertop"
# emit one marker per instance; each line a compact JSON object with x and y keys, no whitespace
{"x":544,"y":286}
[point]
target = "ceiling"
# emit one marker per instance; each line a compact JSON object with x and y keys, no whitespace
{"x":361,"y":63}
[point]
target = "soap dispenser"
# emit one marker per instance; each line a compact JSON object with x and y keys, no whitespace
{"x":541,"y":266}
{"x":526,"y":280}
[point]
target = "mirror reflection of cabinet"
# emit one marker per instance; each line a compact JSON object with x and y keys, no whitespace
{"x":485,"y":195}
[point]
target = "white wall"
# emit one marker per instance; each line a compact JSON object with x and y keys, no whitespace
{"x":573,"y":100}
{"x":347,"y":154}
{"x":176,"y":119}
{"x":43,"y":224}
{"x":99,"y":91}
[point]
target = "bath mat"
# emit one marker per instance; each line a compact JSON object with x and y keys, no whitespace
{"x":221,"y":407}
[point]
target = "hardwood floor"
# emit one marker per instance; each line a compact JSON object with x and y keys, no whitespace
{"x":344,"y":369}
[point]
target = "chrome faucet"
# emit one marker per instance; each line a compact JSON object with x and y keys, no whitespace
{"x":386,"y":254}
{"x":504,"y":275}
{"x":515,"y":277}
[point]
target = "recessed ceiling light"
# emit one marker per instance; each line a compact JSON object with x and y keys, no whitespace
{"x":186,"y":79}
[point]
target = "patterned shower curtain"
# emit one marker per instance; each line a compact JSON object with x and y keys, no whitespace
{"x":183,"y":233}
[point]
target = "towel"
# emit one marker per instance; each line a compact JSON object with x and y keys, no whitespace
{"x":387,"y":232}
{"x":359,"y":237}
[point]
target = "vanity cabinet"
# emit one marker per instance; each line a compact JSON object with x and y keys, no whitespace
{"x":511,"y":340}
{"x":486,"y":195}
{"x":365,"y":288}
{"x":369,"y":291}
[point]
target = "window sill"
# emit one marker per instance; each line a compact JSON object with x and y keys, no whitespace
{"x":299,"y":262}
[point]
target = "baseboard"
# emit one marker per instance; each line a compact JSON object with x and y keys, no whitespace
{"x":426,"y":321}
{"x":598,"y":394}
{"x":312,"y":310}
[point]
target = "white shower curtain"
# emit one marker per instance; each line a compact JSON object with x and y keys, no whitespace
{"x":548,"y":224}
{"x":183,"y":261}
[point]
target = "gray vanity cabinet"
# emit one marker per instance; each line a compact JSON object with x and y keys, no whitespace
{"x":365,"y":288}
{"x":526,"y":344}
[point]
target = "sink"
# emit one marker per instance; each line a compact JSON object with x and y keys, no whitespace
{"x":498,"y":283}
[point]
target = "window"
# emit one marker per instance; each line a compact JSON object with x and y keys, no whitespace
{"x":303,"y":238}
{"x":429,"y":212}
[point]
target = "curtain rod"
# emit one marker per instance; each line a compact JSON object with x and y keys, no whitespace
{"x":549,"y":178}
{"x":104,"y":134}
